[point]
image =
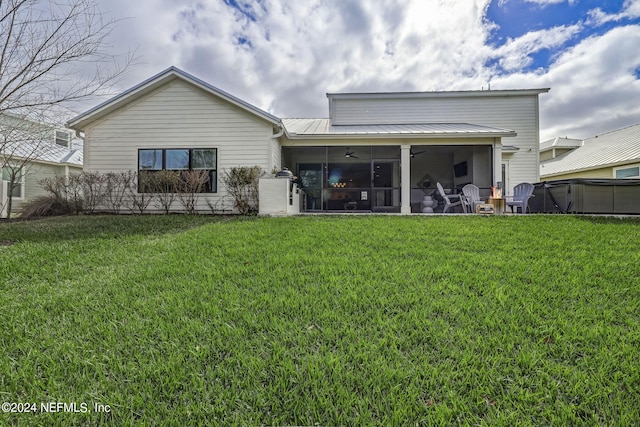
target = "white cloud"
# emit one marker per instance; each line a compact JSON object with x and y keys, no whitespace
{"x":514,"y":54}
{"x":283,"y":56}
{"x":593,"y":88}
{"x":630,"y":10}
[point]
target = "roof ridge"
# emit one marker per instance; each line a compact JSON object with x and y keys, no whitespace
{"x":612,"y":131}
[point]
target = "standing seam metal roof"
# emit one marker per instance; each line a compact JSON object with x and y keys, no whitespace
{"x":613,"y":148}
{"x":323,"y":127}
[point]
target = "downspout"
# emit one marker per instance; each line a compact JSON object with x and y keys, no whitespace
{"x":274,"y":137}
{"x":83,"y":141}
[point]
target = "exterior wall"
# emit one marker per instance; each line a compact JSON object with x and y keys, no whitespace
{"x":606,"y":173}
{"x":519,"y":113}
{"x":553,"y":153}
{"x":34,"y":173}
{"x":599,"y":173}
{"x":546,"y":155}
{"x":180,"y":115}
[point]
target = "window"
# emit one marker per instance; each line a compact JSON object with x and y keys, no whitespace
{"x":19,"y":182}
{"x":63,"y":138}
{"x":627,"y":172}
{"x":182,"y":159}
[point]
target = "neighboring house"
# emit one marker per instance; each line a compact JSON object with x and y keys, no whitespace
{"x":32,"y":151}
{"x":375,"y":152}
{"x":614,"y":154}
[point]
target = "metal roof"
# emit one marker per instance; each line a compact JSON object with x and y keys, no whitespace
{"x":614,"y":148}
{"x":559,"y":142}
{"x":45,"y":152}
{"x":439,"y":94}
{"x":322,"y":128}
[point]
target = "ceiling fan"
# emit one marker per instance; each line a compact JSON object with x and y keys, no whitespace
{"x":350,"y":154}
{"x":415,"y":153}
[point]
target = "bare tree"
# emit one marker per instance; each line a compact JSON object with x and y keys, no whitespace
{"x":53,"y":54}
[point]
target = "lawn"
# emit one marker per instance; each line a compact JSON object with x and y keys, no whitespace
{"x":329,"y":320}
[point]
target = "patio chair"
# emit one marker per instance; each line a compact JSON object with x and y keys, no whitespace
{"x":520,"y":199}
{"x":450,"y":200}
{"x":471,"y":195}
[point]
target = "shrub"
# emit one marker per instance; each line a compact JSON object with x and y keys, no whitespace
{"x":139,"y":194}
{"x":242,"y":185}
{"x":192,"y":184}
{"x":47,"y":205}
{"x":93,"y":190}
{"x":116,"y":186}
{"x":165,"y":184}
{"x":63,"y":191}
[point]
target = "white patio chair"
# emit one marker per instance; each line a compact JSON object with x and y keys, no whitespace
{"x":520,"y":199}
{"x":472,"y":197}
{"x":450,"y":200}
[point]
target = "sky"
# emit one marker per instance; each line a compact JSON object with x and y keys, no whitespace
{"x":283,"y":56}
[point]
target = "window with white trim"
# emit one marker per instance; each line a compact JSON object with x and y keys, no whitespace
{"x":62,"y":138}
{"x":18,"y":188}
{"x":627,"y":172}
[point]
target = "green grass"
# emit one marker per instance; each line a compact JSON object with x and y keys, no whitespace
{"x":350,"y":320}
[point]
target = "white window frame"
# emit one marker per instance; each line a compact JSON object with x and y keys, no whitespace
{"x":55,"y":137}
{"x":615,"y":171}
{"x":22,"y":174}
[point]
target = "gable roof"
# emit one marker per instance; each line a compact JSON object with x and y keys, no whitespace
{"x":614,"y":148}
{"x":559,"y":142}
{"x":322,"y":128}
{"x":171,"y":73}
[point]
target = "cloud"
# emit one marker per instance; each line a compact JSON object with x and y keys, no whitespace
{"x":514,"y":55}
{"x":593,"y":86}
{"x":283,"y":56}
{"x":630,"y":10}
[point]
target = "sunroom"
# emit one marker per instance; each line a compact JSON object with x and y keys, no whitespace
{"x":377,"y":168}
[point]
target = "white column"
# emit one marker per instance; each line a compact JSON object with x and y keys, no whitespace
{"x":4,"y":186}
{"x":405,"y":178}
{"x":497,"y":161}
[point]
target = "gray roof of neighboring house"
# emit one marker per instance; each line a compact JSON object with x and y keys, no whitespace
{"x":559,"y":142}
{"x":614,"y":148}
{"x":47,"y":152}
{"x":322,"y":128}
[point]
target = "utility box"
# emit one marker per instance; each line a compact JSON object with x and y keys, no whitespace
{"x":278,"y":196}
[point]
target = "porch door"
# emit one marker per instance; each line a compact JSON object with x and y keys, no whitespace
{"x":348,"y":179}
{"x":386,"y":185}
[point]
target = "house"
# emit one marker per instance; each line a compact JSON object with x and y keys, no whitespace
{"x":31,"y":151}
{"x":375,"y":151}
{"x":614,"y":154}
